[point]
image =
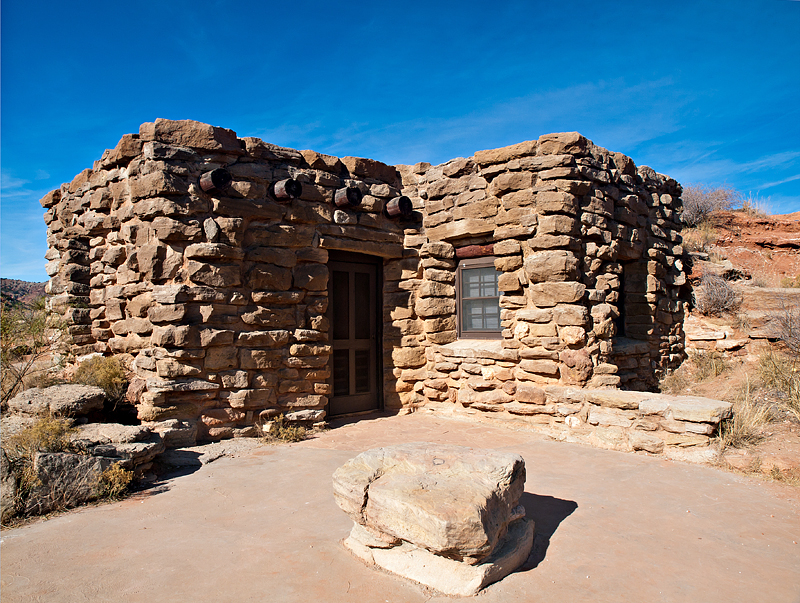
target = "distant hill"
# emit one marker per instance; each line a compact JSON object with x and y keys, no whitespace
{"x":13,"y":291}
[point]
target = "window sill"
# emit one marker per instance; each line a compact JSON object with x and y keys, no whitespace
{"x":478,"y":348}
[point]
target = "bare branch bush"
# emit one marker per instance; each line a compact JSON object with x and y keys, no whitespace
{"x":715,"y":296}
{"x":700,"y":201}
{"x":28,"y":335}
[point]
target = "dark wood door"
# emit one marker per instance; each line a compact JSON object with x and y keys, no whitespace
{"x":352,"y":311}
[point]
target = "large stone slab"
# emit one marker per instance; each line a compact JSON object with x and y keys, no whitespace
{"x":451,"y":500}
{"x":446,"y":516}
{"x":134,"y":444}
{"x":695,"y":409}
{"x":69,"y":400}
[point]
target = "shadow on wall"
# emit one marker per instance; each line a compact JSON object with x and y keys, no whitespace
{"x":547,"y":513}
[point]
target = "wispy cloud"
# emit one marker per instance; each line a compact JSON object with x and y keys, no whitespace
{"x":707,"y":169}
{"x":779,"y":182}
{"x":10,"y":183}
{"x":634,"y":114}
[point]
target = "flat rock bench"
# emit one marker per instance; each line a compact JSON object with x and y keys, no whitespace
{"x":445,"y":516}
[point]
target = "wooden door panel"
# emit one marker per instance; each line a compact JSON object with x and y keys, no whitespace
{"x":353,"y":314}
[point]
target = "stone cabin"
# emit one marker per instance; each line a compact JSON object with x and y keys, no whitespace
{"x":244,"y":280}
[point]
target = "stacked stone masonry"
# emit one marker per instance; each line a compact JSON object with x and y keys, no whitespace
{"x":220,"y":298}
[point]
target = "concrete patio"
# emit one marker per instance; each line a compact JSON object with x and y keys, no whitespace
{"x":263,"y":526}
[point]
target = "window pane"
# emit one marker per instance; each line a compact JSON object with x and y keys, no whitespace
{"x":479,"y":282}
{"x":480,"y":299}
{"x":481,"y":315}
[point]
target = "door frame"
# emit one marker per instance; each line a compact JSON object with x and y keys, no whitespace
{"x":350,"y":257}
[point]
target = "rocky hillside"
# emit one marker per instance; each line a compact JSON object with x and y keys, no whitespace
{"x":766,"y":248}
{"x":14,"y":291}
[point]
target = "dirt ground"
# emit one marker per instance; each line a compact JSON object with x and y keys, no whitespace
{"x":263,"y":526}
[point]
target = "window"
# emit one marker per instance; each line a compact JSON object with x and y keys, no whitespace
{"x":478,"y":299}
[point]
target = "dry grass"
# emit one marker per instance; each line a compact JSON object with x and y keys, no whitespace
{"x":699,"y":237}
{"x":780,"y":373}
{"x":708,"y":365}
{"x":784,"y":325}
{"x":676,"y":381}
{"x":745,"y":426}
{"x":755,"y":206}
{"x":715,"y":296}
{"x":741,"y":322}
{"x":788,"y":282}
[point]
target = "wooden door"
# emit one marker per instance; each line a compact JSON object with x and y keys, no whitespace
{"x":352,"y":311}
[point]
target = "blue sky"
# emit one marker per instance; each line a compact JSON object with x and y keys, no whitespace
{"x":707,"y":92}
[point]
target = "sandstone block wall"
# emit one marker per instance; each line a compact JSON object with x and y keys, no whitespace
{"x":220,"y":297}
{"x":589,"y":250}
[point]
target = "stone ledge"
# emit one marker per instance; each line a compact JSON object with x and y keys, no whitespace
{"x":447,"y":575}
{"x":477,"y":348}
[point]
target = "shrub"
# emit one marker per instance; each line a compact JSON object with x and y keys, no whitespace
{"x":281,"y":429}
{"x":744,"y":427}
{"x":788,"y":282}
{"x":28,"y":334}
{"x":106,"y":373}
{"x":46,"y":434}
{"x":114,"y":482}
{"x":715,"y":296}
{"x":700,"y":201}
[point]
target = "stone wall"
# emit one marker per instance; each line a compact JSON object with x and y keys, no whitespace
{"x":219,"y":297}
{"x":589,"y":251}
